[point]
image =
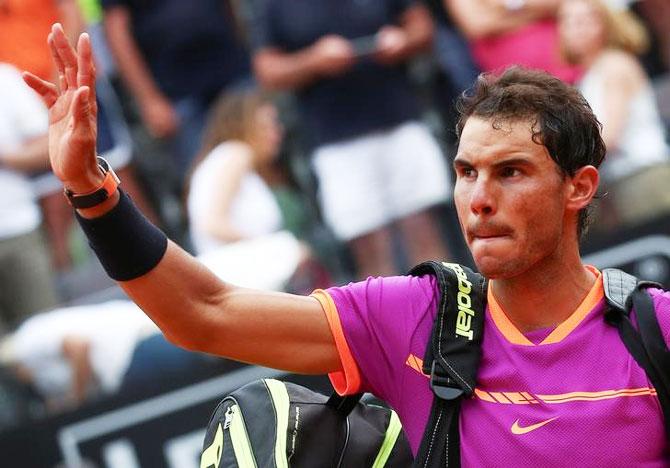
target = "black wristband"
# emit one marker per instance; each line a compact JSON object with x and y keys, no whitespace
{"x":126,"y":243}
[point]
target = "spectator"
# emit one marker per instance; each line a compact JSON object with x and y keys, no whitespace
{"x":235,"y":220}
{"x":26,"y":284}
{"x":656,"y":14}
{"x":25,"y":24}
{"x":74,"y":354}
{"x":175,"y":57}
{"x":512,"y":32}
{"x":31,"y":20}
{"x":346,"y":63}
{"x":605,"y":42}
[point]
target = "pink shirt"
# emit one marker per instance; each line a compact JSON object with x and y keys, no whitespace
{"x":535,"y":45}
{"x":571,"y":396}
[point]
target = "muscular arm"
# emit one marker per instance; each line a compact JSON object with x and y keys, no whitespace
{"x":198,"y":311}
{"x":189,"y":303}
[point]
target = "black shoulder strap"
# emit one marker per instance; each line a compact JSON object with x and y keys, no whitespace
{"x":647,"y":346}
{"x":452,"y":358}
{"x":343,"y":405}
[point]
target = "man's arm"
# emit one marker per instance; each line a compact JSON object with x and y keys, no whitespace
{"x":157,"y":112}
{"x":414,"y":34}
{"x":276,"y":69}
{"x":482,"y":18}
{"x":76,"y":350}
{"x":189,"y":303}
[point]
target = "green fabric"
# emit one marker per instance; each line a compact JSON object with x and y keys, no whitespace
{"x":392,"y":433}
{"x":241,"y":446}
{"x":280,"y":398}
{"x":91,"y":10}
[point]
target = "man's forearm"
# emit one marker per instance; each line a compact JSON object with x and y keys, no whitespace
{"x":418,"y":25}
{"x":128,"y":58}
{"x":279,"y":70}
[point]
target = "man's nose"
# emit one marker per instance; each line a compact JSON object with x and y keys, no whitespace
{"x":483,"y":198}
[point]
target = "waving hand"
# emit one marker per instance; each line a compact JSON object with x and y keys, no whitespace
{"x":72,"y":112}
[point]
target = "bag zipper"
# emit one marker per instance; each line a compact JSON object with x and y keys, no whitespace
{"x":234,"y":424}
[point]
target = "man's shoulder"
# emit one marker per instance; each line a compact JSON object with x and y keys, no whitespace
{"x":403,"y":296}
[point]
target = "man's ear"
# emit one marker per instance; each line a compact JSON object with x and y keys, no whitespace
{"x":582,"y":187}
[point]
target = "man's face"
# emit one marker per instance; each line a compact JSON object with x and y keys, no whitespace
{"x":510,"y":198}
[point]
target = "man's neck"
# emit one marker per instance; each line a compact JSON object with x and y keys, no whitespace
{"x":545,"y":296}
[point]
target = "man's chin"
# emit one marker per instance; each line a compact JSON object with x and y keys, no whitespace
{"x":493,"y":268}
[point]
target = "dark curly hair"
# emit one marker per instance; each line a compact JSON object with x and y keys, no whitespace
{"x":561,"y":119}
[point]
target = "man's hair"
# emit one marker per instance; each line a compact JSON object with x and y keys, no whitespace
{"x":561,"y":119}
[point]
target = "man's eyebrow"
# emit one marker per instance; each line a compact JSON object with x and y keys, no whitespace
{"x":460,"y":162}
{"x":514,"y":161}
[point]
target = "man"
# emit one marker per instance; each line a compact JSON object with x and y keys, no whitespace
{"x":175,"y":57}
{"x":555,"y":381}
{"x":346,"y":62}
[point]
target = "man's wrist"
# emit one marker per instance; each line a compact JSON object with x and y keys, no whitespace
{"x":86,"y":184}
{"x":102,"y":190}
{"x":101,"y":208}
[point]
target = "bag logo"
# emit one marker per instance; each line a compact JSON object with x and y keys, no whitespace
{"x":464,"y":302}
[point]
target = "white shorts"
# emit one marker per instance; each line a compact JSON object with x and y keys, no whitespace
{"x":368,"y":182}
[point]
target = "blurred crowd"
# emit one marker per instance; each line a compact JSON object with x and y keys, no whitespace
{"x":289,"y":144}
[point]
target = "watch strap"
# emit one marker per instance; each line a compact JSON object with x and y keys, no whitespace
{"x":100,"y":194}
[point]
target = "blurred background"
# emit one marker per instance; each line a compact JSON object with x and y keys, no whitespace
{"x":290,"y":145}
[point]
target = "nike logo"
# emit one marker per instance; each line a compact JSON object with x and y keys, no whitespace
{"x":518,"y":430}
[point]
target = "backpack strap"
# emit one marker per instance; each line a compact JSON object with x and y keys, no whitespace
{"x":452,"y":358}
{"x":645,"y":343}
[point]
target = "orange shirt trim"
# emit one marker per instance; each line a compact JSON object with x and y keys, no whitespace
{"x":514,"y":336}
{"x":348,"y":380}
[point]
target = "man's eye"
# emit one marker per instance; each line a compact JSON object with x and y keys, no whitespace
{"x":510,"y":172}
{"x":467,"y":172}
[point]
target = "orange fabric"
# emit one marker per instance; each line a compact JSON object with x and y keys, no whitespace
{"x":514,"y":336}
{"x":348,"y":380}
{"x":524,"y":398}
{"x":594,"y":296}
{"x":24,"y":26}
{"x":503,"y":324}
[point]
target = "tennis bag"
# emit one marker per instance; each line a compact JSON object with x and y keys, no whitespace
{"x":269,"y":423}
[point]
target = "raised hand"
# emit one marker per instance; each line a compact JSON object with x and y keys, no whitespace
{"x":72,"y":112}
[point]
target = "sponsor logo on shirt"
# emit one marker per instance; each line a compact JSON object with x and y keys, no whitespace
{"x":517,"y":429}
